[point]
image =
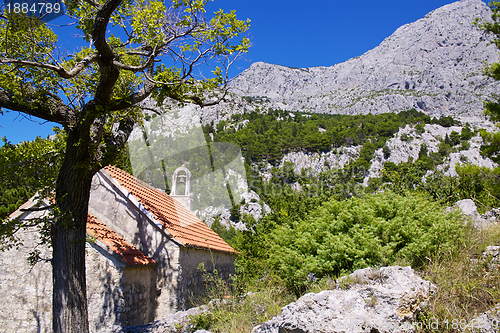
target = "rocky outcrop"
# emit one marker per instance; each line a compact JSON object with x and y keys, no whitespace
{"x":402,"y":147}
{"x":434,"y":65}
{"x":252,"y":205}
{"x":319,"y":162}
{"x":469,"y":209}
{"x":406,"y":144}
{"x":368,"y":300}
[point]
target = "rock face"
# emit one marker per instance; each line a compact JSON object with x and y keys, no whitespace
{"x":319,"y":162}
{"x":433,"y":65}
{"x":384,"y":300}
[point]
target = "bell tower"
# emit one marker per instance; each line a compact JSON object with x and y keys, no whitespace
{"x":181,"y":187}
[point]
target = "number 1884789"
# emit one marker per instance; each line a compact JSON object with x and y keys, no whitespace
{"x":43,"y":10}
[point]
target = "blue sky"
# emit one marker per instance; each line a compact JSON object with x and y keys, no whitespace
{"x":290,"y":33}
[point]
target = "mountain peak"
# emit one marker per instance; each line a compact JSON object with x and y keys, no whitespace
{"x":434,"y":65}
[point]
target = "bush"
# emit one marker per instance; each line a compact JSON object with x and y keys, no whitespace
{"x":465,"y":145}
{"x":342,"y":236}
{"x":387,"y":151}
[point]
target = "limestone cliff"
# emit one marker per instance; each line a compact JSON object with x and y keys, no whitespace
{"x":434,"y":65}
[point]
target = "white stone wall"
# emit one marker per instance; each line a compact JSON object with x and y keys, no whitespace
{"x":116,"y":293}
{"x":26,"y":291}
{"x":113,"y":290}
{"x":176,"y":275}
{"x":191,"y":284}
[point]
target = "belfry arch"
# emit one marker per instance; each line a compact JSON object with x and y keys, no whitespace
{"x":181,"y":187}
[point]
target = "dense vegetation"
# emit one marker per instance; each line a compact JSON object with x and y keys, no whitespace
{"x":272,"y":134}
{"x":333,"y":225}
{"x":26,"y":168}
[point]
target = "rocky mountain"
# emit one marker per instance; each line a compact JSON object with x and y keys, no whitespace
{"x":434,"y":65}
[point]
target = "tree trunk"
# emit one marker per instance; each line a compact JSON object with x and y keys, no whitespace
{"x":69,"y":302}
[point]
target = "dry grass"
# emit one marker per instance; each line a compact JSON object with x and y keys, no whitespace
{"x":239,"y":314}
{"x":232,"y":311}
{"x":468,"y":283}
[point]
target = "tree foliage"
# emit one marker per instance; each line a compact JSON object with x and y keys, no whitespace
{"x":272,"y":134}
{"x":25,"y":169}
{"x":491,"y":147}
{"x":135,"y":49}
{"x":337,"y":237}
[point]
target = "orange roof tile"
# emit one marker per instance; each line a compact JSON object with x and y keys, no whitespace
{"x":184,"y":226}
{"x":131,"y":255}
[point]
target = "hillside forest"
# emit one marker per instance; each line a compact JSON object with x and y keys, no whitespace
{"x":321,"y":225}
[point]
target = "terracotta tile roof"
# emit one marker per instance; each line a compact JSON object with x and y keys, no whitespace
{"x":183,"y":225}
{"x":131,"y":255}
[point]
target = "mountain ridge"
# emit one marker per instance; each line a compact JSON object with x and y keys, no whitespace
{"x":434,"y":65}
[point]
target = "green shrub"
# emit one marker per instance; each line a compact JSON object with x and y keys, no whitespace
{"x":379,"y":229}
{"x":406,"y":138}
{"x":465,"y":145}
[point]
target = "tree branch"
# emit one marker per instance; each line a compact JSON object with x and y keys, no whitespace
{"x":92,"y":3}
{"x":137,"y":97}
{"x":136,"y":69}
{"x":51,"y":108}
{"x":117,"y":141}
{"x":108,"y":73}
{"x":99,"y":28}
{"x":58,"y":69}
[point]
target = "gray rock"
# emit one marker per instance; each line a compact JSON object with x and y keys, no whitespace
{"x":468,"y":207}
{"x":319,"y":162}
{"x":434,"y":65}
{"x":488,"y":322}
{"x":492,"y":216}
{"x":492,"y":251}
{"x":384,"y":300}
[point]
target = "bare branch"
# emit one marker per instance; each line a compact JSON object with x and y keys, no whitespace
{"x":108,"y":73}
{"x":117,"y":141}
{"x":58,"y":69}
{"x":99,"y":28}
{"x":92,"y":3}
{"x":140,"y":68}
{"x":151,"y":109}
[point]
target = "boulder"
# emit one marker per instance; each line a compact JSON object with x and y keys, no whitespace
{"x":368,"y":300}
{"x":469,"y":209}
{"x":491,"y":216}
